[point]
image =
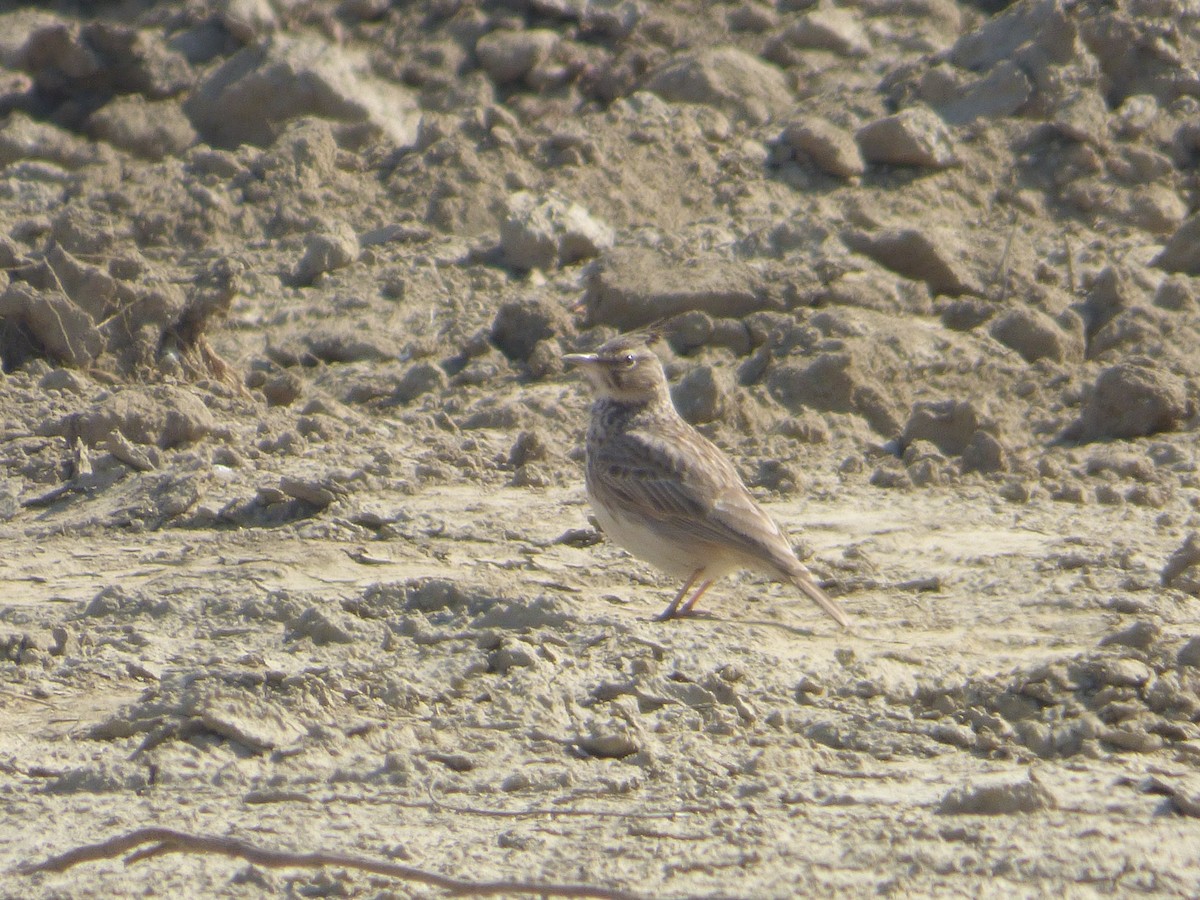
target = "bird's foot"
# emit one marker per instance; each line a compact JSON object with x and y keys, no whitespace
{"x":690,"y":613}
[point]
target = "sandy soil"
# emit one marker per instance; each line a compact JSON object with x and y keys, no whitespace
{"x":295,"y":543}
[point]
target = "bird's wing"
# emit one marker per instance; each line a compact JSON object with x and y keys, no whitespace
{"x":688,"y":488}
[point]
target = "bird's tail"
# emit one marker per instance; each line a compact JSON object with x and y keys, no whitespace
{"x":803,"y":579}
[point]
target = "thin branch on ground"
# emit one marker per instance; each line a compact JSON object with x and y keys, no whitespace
{"x":167,"y":840}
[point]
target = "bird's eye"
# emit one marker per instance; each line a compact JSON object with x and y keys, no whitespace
{"x":629,"y":360}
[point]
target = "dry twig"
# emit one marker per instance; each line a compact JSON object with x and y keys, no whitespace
{"x":167,"y":840}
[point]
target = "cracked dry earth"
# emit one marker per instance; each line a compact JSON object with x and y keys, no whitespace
{"x":294,"y":546}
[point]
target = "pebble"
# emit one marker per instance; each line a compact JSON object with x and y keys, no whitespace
{"x":1182,"y":250}
{"x":248,"y":97}
{"x":67,"y":334}
{"x":984,"y":453}
{"x":949,"y":424}
{"x":999,"y":93}
{"x":701,"y":395}
{"x":164,"y":416}
{"x":324,"y":252}
{"x":927,"y":254}
{"x":1132,"y":400}
{"x":1189,"y":653}
{"x":738,"y":83}
{"x":631,"y":287}
{"x":1034,"y":335}
{"x":913,"y":137}
{"x":151,"y":130}
{"x":831,"y":149}
{"x":520,"y":325}
{"x":508,"y":56}
{"x":419,"y":379}
{"x":997,"y":799}
{"x":1175,"y":573}
{"x":546,"y":231}
{"x":835,"y":29}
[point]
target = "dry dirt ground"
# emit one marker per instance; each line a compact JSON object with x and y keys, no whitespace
{"x":294,"y":547}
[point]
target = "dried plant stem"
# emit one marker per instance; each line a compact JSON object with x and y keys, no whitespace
{"x":167,"y":840}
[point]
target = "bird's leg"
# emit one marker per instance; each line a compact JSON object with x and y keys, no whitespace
{"x":686,"y":609}
{"x":669,"y":612}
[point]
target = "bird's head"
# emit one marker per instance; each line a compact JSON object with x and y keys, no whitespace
{"x":625,"y":369}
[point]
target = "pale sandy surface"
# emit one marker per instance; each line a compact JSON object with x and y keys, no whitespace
{"x":372,"y":617}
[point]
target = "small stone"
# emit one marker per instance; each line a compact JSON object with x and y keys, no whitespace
{"x":924,"y":254}
{"x":1132,"y":400}
{"x":948,"y":424}
{"x":23,"y":138}
{"x":1175,"y":572}
{"x":1182,"y":250}
{"x":615,"y":739}
{"x":1189,"y":653}
{"x":134,"y":456}
{"x":1139,"y":635}
{"x":267,"y":83}
{"x":164,"y":416}
{"x":508,"y":56}
{"x":689,"y":331}
{"x":1135,"y":740}
{"x":1135,"y":115}
{"x":65,"y":380}
{"x":518,"y":781}
{"x":325,"y":252}
{"x":1081,"y":116}
{"x":151,"y":130}
{"x":282,"y":389}
{"x":752,"y":17}
{"x":420,"y":378}
{"x":90,"y":287}
{"x":828,"y":28}
{"x":1177,"y":293}
{"x":983,"y":453}
{"x":63,"y":640}
{"x":1109,"y":292}
{"x":545,"y":360}
{"x":998,"y":799}
{"x":631,"y":287}
{"x":912,"y":137}
{"x":736,"y":82}
{"x":831,"y":149}
{"x":521,"y":324}
{"x":885,"y":477}
{"x":541,"y":232}
{"x":1001,"y":92}
{"x":965,"y":313}
{"x":319,"y":495}
{"x":1032,"y":334}
{"x":833,"y":382}
{"x":529,"y":447}
{"x":1015,"y":491}
{"x":363,"y":10}
{"x":67,"y":334}
{"x":701,"y":395}
{"x":1036,"y":33}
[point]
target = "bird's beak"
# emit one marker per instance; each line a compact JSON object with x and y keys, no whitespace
{"x":580,"y":359}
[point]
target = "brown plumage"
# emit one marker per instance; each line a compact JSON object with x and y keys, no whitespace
{"x":666,"y":493}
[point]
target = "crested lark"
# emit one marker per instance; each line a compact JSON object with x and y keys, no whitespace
{"x":667,"y":494}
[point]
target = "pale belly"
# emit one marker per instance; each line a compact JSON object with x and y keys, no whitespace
{"x":645,"y":543}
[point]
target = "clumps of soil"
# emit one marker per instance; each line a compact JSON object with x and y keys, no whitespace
{"x":1136,"y":691}
{"x":125,"y":315}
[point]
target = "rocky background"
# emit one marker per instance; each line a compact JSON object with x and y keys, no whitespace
{"x":295,"y":547}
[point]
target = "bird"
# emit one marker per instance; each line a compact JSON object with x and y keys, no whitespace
{"x":666,"y":493}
